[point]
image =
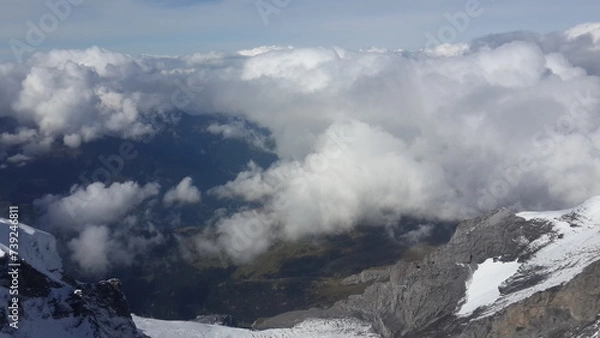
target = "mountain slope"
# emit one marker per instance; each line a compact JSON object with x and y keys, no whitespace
{"x":52,"y":304}
{"x":531,"y":274}
{"x":500,"y":275}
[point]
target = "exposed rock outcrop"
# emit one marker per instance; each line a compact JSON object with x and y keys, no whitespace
{"x":549,"y":295}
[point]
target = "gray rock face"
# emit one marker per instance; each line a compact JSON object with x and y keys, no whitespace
{"x":421,"y":298}
{"x":371,"y":275}
{"x":421,"y":294}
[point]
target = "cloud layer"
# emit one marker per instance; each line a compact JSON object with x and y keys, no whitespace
{"x":362,"y":137}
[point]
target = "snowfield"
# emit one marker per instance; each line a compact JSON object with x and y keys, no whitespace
{"x":482,"y":288}
{"x":317,"y":328}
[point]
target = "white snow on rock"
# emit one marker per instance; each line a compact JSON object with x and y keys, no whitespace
{"x":315,"y":328}
{"x":559,"y":256}
{"x":36,"y":247}
{"x":482,"y":288}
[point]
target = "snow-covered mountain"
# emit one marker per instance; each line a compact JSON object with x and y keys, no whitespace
{"x":531,"y":274}
{"x":52,"y":304}
{"x":572,"y":244}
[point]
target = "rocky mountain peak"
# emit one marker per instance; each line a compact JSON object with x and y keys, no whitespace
{"x":51,"y":303}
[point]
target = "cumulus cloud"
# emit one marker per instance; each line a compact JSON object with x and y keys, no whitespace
{"x":94,"y":204}
{"x":184,"y":193}
{"x":239,"y":130}
{"x":92,"y":249}
{"x":590,"y":30}
{"x":241,"y":237}
{"x":435,"y":135}
{"x":98,"y":248}
{"x":100,"y":225}
{"x":71,"y":97}
{"x":361,"y":136}
{"x":18,"y":158}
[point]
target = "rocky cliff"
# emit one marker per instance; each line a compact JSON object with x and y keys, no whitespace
{"x":502,"y":275}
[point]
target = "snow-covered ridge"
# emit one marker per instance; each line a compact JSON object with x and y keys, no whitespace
{"x":588,"y":213}
{"x":482,"y":288}
{"x":558,"y":256}
{"x":36,"y":247}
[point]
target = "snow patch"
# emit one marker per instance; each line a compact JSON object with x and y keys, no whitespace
{"x":482,"y":288}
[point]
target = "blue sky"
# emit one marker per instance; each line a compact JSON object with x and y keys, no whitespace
{"x":178,"y":27}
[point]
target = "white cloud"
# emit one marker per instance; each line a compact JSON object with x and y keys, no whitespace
{"x":183,"y":193}
{"x":18,"y":158}
{"x":422,"y":232}
{"x":94,"y":204}
{"x":74,"y":97}
{"x":92,"y":249}
{"x":362,"y":137}
{"x":100,"y":224}
{"x":590,"y":30}
{"x":240,"y":131}
{"x":98,"y":248}
{"x":22,"y":135}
